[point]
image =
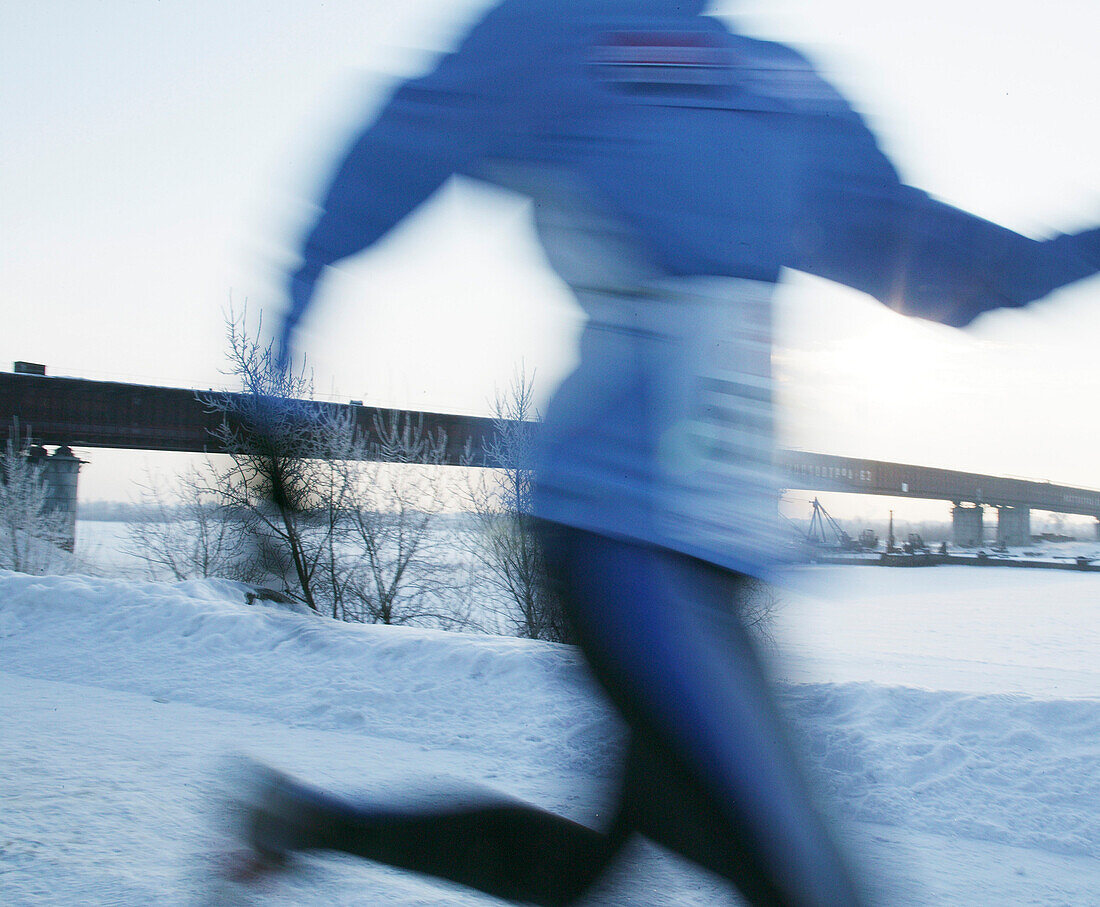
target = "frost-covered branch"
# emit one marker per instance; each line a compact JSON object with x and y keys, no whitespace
{"x":32,"y":533}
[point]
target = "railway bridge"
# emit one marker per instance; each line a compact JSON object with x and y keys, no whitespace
{"x":74,"y":412}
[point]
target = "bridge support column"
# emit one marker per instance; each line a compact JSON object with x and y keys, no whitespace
{"x":967,"y":526}
{"x":61,"y":470}
{"x":1013,"y":526}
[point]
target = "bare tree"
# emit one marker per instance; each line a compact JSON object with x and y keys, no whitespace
{"x":192,"y":533}
{"x":281,"y":478}
{"x":32,"y":533}
{"x":342,"y":521}
{"x":501,"y":500}
{"x":400,"y":575}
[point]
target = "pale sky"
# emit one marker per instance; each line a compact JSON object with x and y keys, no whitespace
{"x":157,"y":161}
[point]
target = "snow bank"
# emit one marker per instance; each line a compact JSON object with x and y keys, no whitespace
{"x":998,"y":768}
{"x":1006,"y":769}
{"x":199,"y":642}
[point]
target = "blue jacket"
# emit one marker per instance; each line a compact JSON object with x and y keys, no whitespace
{"x":726,"y":156}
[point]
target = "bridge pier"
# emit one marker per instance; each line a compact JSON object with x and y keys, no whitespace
{"x":63,"y":473}
{"x":967,"y":525}
{"x":60,"y":472}
{"x":1013,"y":526}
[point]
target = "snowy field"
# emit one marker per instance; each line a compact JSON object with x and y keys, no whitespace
{"x":951,"y":717}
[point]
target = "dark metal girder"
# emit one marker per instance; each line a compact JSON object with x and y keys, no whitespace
{"x":827,"y":472}
{"x":109,"y":414}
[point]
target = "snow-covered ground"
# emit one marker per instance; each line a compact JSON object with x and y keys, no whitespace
{"x":951,"y":717}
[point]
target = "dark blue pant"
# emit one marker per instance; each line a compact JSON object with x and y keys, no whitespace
{"x":707,"y":772}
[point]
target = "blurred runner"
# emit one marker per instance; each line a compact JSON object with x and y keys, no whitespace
{"x":675,"y":169}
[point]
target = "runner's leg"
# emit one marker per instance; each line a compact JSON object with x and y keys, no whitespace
{"x":710,"y":775}
{"x":502,"y":847}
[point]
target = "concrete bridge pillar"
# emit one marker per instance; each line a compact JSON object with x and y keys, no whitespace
{"x":1013,"y":526}
{"x":967,"y":528}
{"x":61,"y":470}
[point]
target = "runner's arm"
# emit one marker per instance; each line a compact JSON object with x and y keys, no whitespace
{"x":431,"y":127}
{"x":862,"y":227}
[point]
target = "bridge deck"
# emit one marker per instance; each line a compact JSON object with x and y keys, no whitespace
{"x":825,"y":472}
{"x":108,"y":414}
{"x":94,"y":414}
